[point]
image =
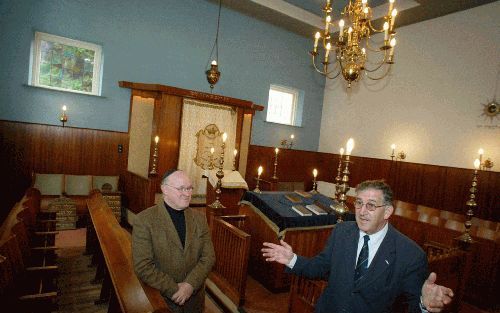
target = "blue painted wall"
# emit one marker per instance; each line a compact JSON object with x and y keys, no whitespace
{"x":156,"y":41}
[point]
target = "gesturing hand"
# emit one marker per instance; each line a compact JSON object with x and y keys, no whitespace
{"x":183,"y":293}
{"x":281,"y":253}
{"x":435,"y":297}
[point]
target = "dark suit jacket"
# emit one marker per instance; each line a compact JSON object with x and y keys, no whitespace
{"x":161,"y":261}
{"x":399,"y":268}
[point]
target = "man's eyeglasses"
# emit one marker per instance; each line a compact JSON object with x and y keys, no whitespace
{"x":358,"y":204}
{"x":181,"y":189}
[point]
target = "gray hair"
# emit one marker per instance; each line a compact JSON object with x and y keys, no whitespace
{"x":379,"y":184}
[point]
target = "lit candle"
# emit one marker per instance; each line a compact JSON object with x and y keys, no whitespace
{"x":328,"y":47}
{"x":393,"y":17}
{"x":316,"y":38}
{"x":392,"y":44}
{"x":477,"y":163}
{"x":393,"y":147}
{"x":327,"y":25}
{"x":341,"y":29}
{"x":349,"y":146}
{"x":224,"y":137}
{"x":235,"y":152}
{"x":64,"y":109}
{"x":276,"y":151}
{"x":259,"y":170}
{"x":157,"y":139}
{"x":386,"y":31}
{"x":212,"y":150}
{"x":315,"y":173}
{"x":292,"y":136}
{"x":363,"y":4}
{"x":391,"y":5}
{"x":341,"y":152}
{"x":481,"y":152}
{"x":349,"y":32}
{"x":214,"y":62}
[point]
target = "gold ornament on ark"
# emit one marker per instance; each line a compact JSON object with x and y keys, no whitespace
{"x":349,"y":50}
{"x":207,"y":138}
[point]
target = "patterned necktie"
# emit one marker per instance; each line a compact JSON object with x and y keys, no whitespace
{"x":362,"y":264}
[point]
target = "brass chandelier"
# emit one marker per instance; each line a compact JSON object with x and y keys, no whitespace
{"x":350,"y":48}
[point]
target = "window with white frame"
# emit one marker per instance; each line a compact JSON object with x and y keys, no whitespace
{"x":282,"y":105}
{"x":66,"y":64}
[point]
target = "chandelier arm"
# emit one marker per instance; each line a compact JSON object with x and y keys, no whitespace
{"x":374,"y":29}
{"x":376,"y":68}
{"x":325,"y":73}
{"x":381,"y":77}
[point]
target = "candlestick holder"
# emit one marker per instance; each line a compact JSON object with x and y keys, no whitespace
{"x":471,"y":204}
{"x":315,"y":186}
{"x":338,"y":178}
{"x":153,"y":171}
{"x":341,"y":208}
{"x":257,"y":190}
{"x":275,"y":166}
{"x":392,"y":155}
{"x":220,"y":174}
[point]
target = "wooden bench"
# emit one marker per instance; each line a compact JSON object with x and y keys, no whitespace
{"x":127,"y":293}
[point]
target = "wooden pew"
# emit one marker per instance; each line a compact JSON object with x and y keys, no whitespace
{"x":27,"y":289}
{"x":128,"y":294}
{"x":232,"y":249}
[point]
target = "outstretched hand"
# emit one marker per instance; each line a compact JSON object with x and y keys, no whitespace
{"x":435,"y":297}
{"x":281,"y":253}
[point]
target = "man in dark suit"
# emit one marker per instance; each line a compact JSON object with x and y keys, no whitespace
{"x":368,"y":263}
{"x":171,"y":246}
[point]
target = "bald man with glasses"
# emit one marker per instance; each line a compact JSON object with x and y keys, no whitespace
{"x":171,"y":246}
{"x":368,"y":263}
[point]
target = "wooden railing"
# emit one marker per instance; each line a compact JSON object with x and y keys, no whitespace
{"x":232,"y":248}
{"x":130,"y":295}
{"x":138,"y":192}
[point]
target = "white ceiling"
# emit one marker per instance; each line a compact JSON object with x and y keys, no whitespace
{"x":304,"y":17}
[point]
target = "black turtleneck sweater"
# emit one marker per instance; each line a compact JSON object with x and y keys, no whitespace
{"x":179,"y":222}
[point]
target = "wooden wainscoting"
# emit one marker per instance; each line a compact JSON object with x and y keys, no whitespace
{"x":440,"y":187}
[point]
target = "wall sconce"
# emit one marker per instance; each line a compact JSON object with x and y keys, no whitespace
{"x":400,"y":156}
{"x":63,"y":118}
{"x":154,"y":165}
{"x":288,"y":144}
{"x":486,"y":164}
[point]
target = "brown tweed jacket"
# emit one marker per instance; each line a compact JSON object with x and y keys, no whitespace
{"x":161,"y":261}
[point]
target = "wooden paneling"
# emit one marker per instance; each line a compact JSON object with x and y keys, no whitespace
{"x":56,"y":149}
{"x":40,"y":148}
{"x":441,"y":187}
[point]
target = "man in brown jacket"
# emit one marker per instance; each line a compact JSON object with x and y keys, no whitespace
{"x":171,"y":246}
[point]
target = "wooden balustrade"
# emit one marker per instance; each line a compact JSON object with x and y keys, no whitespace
{"x":130,"y":295}
{"x":232,"y":249}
